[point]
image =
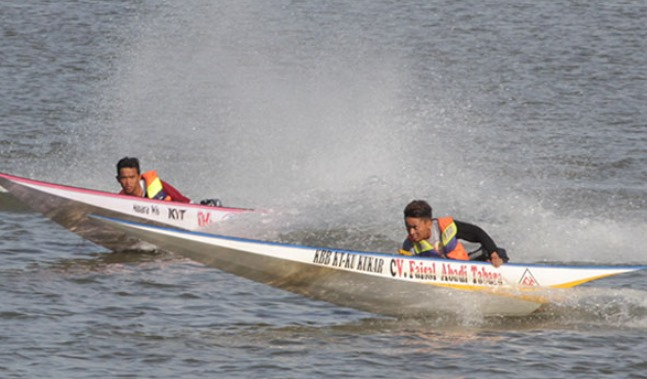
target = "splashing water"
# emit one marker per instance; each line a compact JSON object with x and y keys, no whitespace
{"x":338,"y":132}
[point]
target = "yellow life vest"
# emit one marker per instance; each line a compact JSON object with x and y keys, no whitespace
{"x":154,"y":187}
{"x":448,"y":246}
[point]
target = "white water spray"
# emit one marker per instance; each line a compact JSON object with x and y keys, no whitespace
{"x":288,"y":108}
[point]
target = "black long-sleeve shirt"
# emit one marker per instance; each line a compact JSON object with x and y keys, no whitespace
{"x":472,"y":233}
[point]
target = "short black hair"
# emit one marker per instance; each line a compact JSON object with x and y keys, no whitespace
{"x":418,"y":209}
{"x":128,"y":162}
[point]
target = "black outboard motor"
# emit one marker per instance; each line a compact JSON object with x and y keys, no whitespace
{"x":211,"y":202}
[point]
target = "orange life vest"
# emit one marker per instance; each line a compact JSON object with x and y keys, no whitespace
{"x":446,"y":244}
{"x":154,"y":187}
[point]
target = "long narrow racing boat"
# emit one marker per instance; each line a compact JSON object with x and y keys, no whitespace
{"x":376,"y":282}
{"x":70,"y":207}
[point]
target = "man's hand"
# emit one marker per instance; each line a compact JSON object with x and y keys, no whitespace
{"x":495,"y":259}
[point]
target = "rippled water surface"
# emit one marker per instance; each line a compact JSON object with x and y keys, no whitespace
{"x":528,"y":119}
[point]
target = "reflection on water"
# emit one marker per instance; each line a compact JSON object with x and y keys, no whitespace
{"x":8,"y":203}
{"x":102,"y":262}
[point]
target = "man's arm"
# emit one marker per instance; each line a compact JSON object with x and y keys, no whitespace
{"x":174,"y":193}
{"x":472,"y":233}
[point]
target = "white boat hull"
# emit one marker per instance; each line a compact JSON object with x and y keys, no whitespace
{"x":70,"y":207}
{"x":375,"y":282}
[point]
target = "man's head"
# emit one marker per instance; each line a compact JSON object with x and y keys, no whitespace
{"x":418,"y":220}
{"x":128,"y":175}
{"x":128,"y":162}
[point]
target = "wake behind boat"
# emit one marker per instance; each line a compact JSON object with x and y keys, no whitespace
{"x":70,"y":207}
{"x":387,"y":284}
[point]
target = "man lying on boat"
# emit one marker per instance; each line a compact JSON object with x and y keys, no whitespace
{"x":148,"y":184}
{"x":438,"y":237}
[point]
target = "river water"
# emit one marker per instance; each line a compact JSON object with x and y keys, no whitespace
{"x":527,"y":118}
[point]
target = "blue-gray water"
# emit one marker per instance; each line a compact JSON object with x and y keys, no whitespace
{"x":528,"y":118}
